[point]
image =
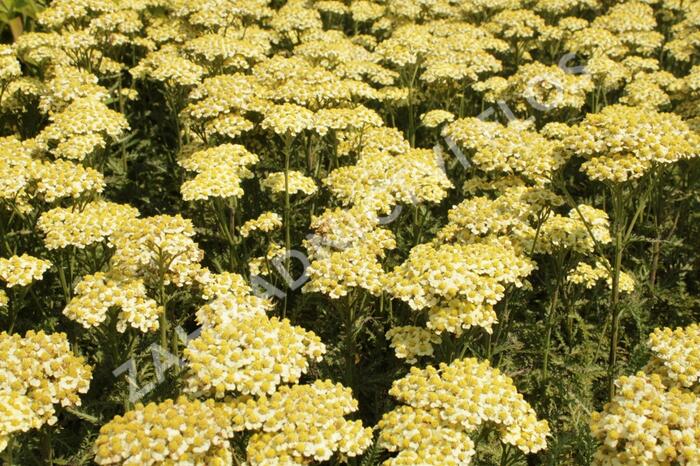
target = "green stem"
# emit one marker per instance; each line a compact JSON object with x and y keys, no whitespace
{"x":350,"y":345}
{"x":46,"y":448}
{"x":558,"y":273}
{"x":13,"y":307}
{"x":287,"y":214}
{"x":162,"y":302}
{"x":411,"y":110}
{"x":125,"y":167}
{"x":548,"y":334}
{"x":615,"y":313}
{"x":8,"y":453}
{"x":64,"y":282}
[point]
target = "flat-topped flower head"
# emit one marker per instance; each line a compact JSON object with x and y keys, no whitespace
{"x":446,"y":404}
{"x":266,"y":222}
{"x":66,"y":84}
{"x":288,"y":119}
{"x":647,"y":423}
{"x":379,"y":180}
{"x":513,"y":149}
{"x":301,"y":424}
{"x":16,"y":416}
{"x":172,"y":432}
{"x":83,"y":227}
{"x":410,"y":342}
{"x":9,"y":65}
{"x":148,"y":247}
{"x":167,"y":66}
{"x":346,"y":119}
{"x":61,"y":178}
{"x":588,"y":276}
{"x":572,"y":232}
{"x":22,"y":270}
{"x":458,"y":284}
{"x":676,"y":355}
{"x":546,"y":88}
{"x":96,"y":294}
{"x":250,"y":355}
{"x":435,"y":118}
{"x":220,"y":171}
{"x":345,"y":252}
{"x":296,"y":183}
{"x":623,"y":143}
{"x":37,"y":372}
{"x":17,"y":170}
{"x":86,"y":118}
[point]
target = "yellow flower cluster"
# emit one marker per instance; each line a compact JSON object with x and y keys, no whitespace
{"x":232,"y":307}
{"x":506,"y":150}
{"x":643,"y":91}
{"x":607,"y":74}
{"x":345,"y":119}
{"x":250,"y":355}
{"x":296,"y":182}
{"x":683,"y":38}
{"x":633,"y":22}
{"x":93,"y":223}
{"x":161,"y":245}
{"x":622,"y":143}
{"x":220,"y":171}
{"x":230,"y":48}
{"x":16,"y":416}
{"x":288,"y":119}
{"x":37,"y":371}
{"x":216,"y":285}
{"x":373,"y":142}
{"x":421,"y":438}
{"x":66,"y":84}
{"x":261,"y":265}
{"x":167,"y":66}
{"x":323,"y":78}
{"x":442,"y":406}
{"x":62,"y":178}
{"x":301,"y":424}
{"x":4,"y":300}
{"x":96,"y":294}
{"x":345,"y":251}
{"x":411,"y":342}
{"x":211,"y":99}
{"x":230,"y":125}
{"x":17,"y":170}
{"x":587,"y":275}
{"x":25,"y":175}
{"x":544,"y":88}
{"x":516,"y":25}
{"x":22,"y":270}
{"x":509,"y":214}
{"x":676,"y":355}
{"x":266,"y":222}
{"x":230,"y":297}
{"x":648,"y":423}
{"x":446,"y":53}
{"x":458,"y":284}
{"x":80,"y":128}
{"x":297,"y":82}
{"x":435,"y":118}
{"x":381,"y":181}
{"x":9,"y":66}
{"x":574,"y":231}
{"x":594,"y":41}
{"x":172,"y":432}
